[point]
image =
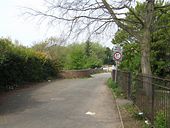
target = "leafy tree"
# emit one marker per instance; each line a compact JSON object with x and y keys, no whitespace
{"x":76,"y":58}
{"x":131,"y":58}
{"x":99,"y":15}
{"x":54,"y":48}
{"x":88,"y":48}
{"x":160,"y":47}
{"x":109,"y":57}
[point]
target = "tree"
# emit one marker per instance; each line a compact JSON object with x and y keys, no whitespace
{"x":109,"y":57}
{"x":88,"y":48}
{"x":77,"y":57}
{"x":54,"y":48}
{"x":160,"y":47}
{"x":100,"y":15}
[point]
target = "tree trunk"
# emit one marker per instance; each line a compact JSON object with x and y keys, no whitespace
{"x":145,"y":48}
{"x":145,"y":62}
{"x":145,"y":52}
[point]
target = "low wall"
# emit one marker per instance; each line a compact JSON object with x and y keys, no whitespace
{"x":75,"y":73}
{"x":78,"y":73}
{"x":97,"y":70}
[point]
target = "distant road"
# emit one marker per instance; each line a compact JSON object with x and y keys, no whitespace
{"x":69,"y":103}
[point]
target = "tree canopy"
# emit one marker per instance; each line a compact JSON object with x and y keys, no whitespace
{"x":101,"y":15}
{"x":77,"y":55}
{"x":160,"y":45}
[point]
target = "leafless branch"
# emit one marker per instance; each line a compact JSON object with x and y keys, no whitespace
{"x":79,"y":15}
{"x":161,"y":7}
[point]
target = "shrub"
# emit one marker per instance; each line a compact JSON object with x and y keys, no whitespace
{"x":19,"y":64}
{"x":115,"y":88}
{"x":160,"y":120}
{"x":76,"y":58}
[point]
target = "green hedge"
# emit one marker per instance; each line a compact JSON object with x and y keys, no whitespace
{"x":19,"y":64}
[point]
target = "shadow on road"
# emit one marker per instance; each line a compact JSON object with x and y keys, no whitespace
{"x":19,"y":100}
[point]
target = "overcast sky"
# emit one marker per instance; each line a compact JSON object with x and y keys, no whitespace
{"x":18,"y":27}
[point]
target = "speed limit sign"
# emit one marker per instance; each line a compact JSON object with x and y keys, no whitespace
{"x":117,"y":56}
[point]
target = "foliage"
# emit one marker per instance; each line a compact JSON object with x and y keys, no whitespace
{"x":97,"y":17}
{"x":160,"y":120}
{"x":160,"y":45}
{"x":75,"y":56}
{"x":131,"y":58}
{"x":19,"y":64}
{"x":160,"y":48}
{"x":115,"y":88}
{"x":134,"y":111}
{"x":111,"y":84}
{"x":78,"y":58}
{"x":109,"y":57}
{"x":54,"y":48}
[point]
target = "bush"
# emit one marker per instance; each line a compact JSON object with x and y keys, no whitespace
{"x":80,"y":57}
{"x":111,"y":84}
{"x":160,"y":120}
{"x":76,"y":58}
{"x":19,"y":64}
{"x":115,"y":88}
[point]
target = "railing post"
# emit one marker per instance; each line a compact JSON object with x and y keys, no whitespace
{"x":129,"y":85}
{"x":113,"y":75}
{"x":167,"y":95}
{"x":152,"y":107}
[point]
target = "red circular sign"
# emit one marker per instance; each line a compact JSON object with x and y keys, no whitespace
{"x":117,"y":55}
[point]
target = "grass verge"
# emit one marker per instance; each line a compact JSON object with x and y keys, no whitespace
{"x":115,"y":88}
{"x":129,"y":112}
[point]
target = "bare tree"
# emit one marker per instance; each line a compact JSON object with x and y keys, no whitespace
{"x":101,"y":15}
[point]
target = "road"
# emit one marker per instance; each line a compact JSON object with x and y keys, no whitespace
{"x":69,"y":103}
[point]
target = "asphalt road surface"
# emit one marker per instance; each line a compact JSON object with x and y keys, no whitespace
{"x":69,"y":103}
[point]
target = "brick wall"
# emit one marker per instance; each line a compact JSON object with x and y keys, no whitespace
{"x":78,"y":73}
{"x":75,"y":73}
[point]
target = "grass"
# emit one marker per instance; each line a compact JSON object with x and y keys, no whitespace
{"x":132,"y":117}
{"x":160,"y":120}
{"x":130,"y":113}
{"x":115,"y":88}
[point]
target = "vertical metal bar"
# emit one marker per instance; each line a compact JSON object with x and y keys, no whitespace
{"x":129,"y":85}
{"x":116,"y":73}
{"x":152,"y":107}
{"x":166,"y":107}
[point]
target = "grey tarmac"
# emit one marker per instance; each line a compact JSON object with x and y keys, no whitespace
{"x":68,"y":103}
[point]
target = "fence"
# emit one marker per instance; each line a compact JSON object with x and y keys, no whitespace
{"x":124,"y":81}
{"x":150,"y":94}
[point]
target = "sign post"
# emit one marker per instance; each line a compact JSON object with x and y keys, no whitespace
{"x":117,"y":57}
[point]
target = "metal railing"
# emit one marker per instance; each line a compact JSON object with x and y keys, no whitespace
{"x":124,"y":80}
{"x":150,"y":94}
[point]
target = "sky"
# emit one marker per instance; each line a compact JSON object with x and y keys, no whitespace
{"x":19,"y":27}
{"x":15,"y":25}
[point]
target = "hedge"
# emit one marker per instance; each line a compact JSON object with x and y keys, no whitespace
{"x":19,"y":65}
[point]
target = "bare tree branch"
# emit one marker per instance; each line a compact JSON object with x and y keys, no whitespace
{"x":76,"y":13}
{"x":120,"y":24}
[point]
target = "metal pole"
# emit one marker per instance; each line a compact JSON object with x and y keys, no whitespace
{"x":116,"y":73}
{"x":152,"y":107}
{"x":129,"y":85}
